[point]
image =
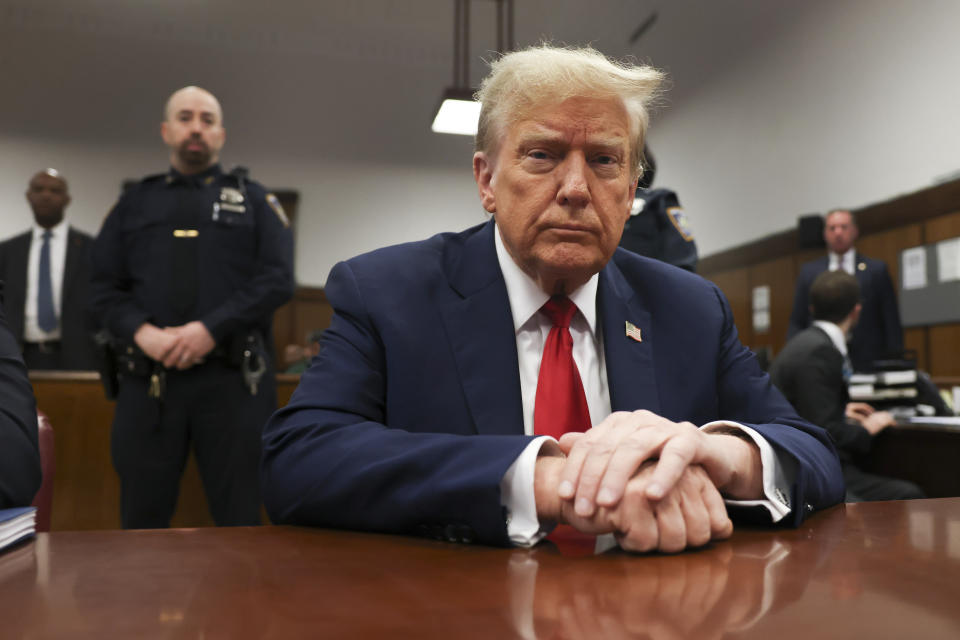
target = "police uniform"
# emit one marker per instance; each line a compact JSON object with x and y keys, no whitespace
{"x":216,"y":248}
{"x":658,"y":228}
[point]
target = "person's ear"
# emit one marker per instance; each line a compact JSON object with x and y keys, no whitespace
{"x":483,"y":174}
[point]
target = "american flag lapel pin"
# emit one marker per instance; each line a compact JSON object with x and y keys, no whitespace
{"x":633,"y":332}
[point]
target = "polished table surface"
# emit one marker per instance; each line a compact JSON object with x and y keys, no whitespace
{"x":877,"y":570}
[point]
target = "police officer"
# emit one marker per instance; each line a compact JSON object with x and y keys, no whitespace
{"x":187,"y":271}
{"x":657,"y":227}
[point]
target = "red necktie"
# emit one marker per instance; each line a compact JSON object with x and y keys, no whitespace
{"x":561,"y":404}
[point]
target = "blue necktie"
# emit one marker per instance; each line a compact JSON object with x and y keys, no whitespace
{"x":46,"y":315}
{"x":847,"y":369}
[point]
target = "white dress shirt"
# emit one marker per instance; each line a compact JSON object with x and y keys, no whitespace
{"x":58,"y":258}
{"x":532,"y":329}
{"x":847,"y":261}
{"x":835,"y":334}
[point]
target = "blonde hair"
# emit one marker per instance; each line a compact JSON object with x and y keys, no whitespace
{"x":521,"y":81}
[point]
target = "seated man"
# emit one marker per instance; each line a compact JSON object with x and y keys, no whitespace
{"x":19,"y":451}
{"x":810,"y":373}
{"x":453,"y":386}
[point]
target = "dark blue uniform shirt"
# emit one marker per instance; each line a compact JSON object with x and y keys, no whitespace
{"x":211,"y":247}
{"x":657,"y":228}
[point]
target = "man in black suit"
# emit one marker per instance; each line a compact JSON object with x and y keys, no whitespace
{"x":878,"y":335}
{"x":46,"y":271}
{"x":811,"y":372}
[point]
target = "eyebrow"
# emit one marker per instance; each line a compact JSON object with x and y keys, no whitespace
{"x":544,"y":135}
{"x":607,"y":144}
{"x":191,"y":111}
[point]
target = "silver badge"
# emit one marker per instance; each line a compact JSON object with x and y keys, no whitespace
{"x":231,"y":195}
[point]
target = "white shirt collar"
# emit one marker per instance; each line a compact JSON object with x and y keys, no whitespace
{"x":835,"y":334}
{"x":526,"y":297}
{"x":58,"y":231}
{"x":846,"y":261}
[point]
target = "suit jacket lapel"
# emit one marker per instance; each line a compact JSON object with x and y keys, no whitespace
{"x":631,"y":376}
{"x":15,"y":291}
{"x":480,"y":329}
{"x":71,"y":266}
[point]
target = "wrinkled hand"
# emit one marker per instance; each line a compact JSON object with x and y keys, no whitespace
{"x":155,"y":342}
{"x":193,"y":343}
{"x":601,"y":461}
{"x":858,"y":411}
{"x":691,"y":514}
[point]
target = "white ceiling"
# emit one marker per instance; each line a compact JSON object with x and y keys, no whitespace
{"x":354,"y":80}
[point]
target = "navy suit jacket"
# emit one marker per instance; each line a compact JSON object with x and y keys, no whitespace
{"x":878,"y":335}
{"x":77,"y":350}
{"x":410,"y":415}
{"x":20,"y":472}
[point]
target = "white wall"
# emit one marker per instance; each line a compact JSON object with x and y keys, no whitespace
{"x":345,"y":208}
{"x":777,"y":108}
{"x":849,"y":104}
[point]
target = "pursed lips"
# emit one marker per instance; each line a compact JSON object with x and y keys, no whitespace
{"x":570,"y":227}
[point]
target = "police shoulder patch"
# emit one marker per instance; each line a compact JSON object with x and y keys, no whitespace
{"x":680,"y":222}
{"x":274,"y":203}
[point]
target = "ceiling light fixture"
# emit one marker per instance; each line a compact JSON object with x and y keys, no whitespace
{"x":458,"y":112}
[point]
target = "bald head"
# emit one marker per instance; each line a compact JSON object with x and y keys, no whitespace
{"x":48,"y":197}
{"x":187,"y":93}
{"x":193,"y":129}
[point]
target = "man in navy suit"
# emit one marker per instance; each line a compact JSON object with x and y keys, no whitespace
{"x":422,"y":413}
{"x":20,"y":471}
{"x":64,"y":341}
{"x":878,"y":334}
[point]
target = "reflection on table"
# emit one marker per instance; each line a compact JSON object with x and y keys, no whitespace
{"x":886,"y":570}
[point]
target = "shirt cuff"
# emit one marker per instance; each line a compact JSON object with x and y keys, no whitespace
{"x":779,"y":472}
{"x":517,"y":497}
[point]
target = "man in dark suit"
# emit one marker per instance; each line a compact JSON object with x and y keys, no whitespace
{"x":47,"y":271}
{"x":20,"y":473}
{"x":878,"y":334}
{"x":811,"y":372}
{"x":485,"y":385}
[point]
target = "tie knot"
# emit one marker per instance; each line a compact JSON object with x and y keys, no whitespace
{"x":559,"y":309}
{"x":47,"y":234}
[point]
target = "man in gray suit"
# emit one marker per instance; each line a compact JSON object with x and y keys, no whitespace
{"x":46,"y":271}
{"x":812,"y":372}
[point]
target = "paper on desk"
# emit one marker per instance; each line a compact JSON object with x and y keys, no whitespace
{"x":914,"y":268}
{"x":948,"y":259}
{"x":947,"y":421}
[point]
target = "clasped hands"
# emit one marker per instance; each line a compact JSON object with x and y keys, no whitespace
{"x":869,"y":418}
{"x":653,"y":483}
{"x":175,"y":347}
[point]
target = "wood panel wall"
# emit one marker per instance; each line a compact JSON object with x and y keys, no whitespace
{"x":86,"y":490}
{"x":307,"y":311}
{"x":887,"y":228}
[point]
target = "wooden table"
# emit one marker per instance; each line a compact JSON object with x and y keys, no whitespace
{"x":871,"y":570}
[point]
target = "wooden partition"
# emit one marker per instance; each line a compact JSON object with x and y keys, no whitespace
{"x":886,"y":229}
{"x":309,"y":310}
{"x":86,"y":490}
